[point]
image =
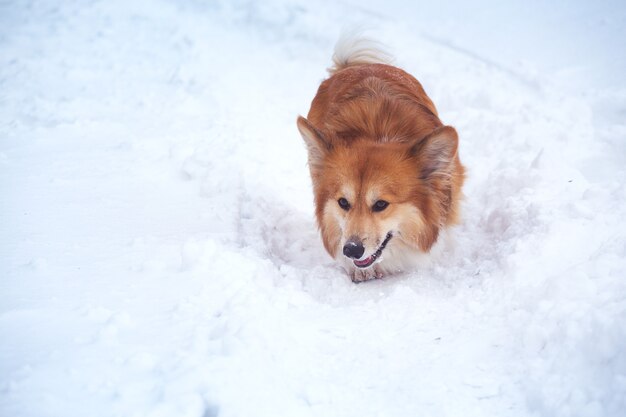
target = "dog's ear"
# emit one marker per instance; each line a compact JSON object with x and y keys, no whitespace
{"x":316,"y":143}
{"x":436,"y":152}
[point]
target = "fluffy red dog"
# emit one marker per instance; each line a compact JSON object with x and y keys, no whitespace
{"x":386,"y":172}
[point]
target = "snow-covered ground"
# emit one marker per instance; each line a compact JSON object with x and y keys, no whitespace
{"x":158,"y":252}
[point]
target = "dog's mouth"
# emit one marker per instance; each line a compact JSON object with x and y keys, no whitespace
{"x":372,"y":258}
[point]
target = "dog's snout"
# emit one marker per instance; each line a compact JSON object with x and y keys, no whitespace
{"x":353,"y":248}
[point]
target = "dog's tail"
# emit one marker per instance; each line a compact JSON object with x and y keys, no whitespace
{"x":353,"y":48}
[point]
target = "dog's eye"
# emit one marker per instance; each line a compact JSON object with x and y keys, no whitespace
{"x":380,"y":205}
{"x":343,"y":203}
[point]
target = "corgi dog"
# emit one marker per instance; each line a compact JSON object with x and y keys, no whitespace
{"x":385,"y":170}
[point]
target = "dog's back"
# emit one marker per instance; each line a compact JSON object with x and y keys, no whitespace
{"x":366,"y":97}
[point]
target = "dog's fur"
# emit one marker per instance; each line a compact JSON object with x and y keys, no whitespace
{"x":373,"y":135}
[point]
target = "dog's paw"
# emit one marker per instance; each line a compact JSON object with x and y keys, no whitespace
{"x":361,"y":275}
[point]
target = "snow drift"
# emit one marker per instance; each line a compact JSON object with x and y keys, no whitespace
{"x":158,"y":254}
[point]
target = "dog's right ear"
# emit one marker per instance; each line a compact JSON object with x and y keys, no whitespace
{"x":316,"y":143}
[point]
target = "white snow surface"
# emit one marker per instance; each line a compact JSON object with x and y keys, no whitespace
{"x":158,"y":250}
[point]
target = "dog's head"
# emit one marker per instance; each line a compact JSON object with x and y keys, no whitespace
{"x":370,"y":193}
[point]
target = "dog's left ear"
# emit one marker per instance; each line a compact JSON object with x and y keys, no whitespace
{"x":317,"y":145}
{"x":436,"y":152}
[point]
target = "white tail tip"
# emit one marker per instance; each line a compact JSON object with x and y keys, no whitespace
{"x":355,"y":49}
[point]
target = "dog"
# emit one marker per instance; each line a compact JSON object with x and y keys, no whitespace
{"x":386,"y":172}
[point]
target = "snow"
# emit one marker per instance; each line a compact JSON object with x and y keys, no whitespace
{"x":158,"y":251}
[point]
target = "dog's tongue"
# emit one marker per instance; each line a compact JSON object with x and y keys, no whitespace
{"x":364,"y":262}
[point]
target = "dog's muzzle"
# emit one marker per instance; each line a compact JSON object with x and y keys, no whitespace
{"x":354,"y":249}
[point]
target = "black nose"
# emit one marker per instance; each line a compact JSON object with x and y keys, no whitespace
{"x":353,"y":248}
